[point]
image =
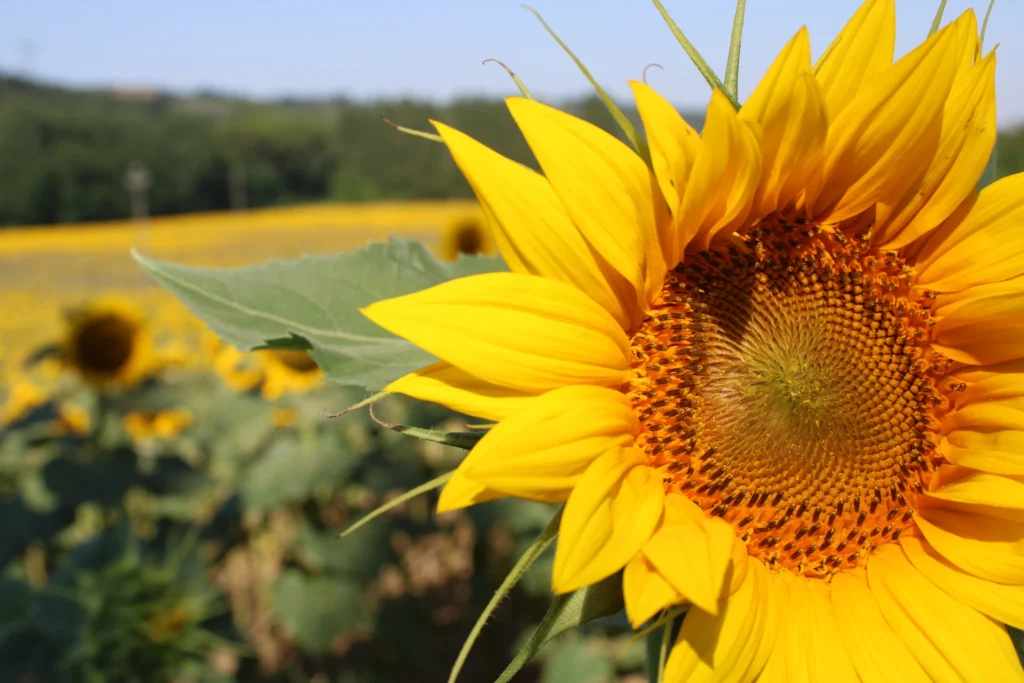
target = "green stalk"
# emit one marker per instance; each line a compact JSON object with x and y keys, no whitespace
{"x":535,"y":550}
{"x":695,"y":57}
{"x":732,"y":67}
{"x":938,"y":18}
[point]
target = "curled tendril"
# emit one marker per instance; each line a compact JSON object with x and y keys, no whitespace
{"x":519,"y":83}
{"x":411,"y":131}
{"x":644,"y":75}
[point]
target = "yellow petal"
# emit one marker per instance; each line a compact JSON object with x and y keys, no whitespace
{"x":858,"y":55}
{"x":726,"y":646}
{"x":462,"y":392}
{"x":793,"y":636}
{"x":694,"y":556}
{"x":609,"y":516}
{"x":983,"y":488}
{"x":724,"y":176}
{"x":983,"y":372}
{"x":982,"y":326}
{"x":990,"y":450}
{"x":775,"y":668}
{"x":461,"y":492}
{"x":988,"y":547}
{"x":999,"y":601}
{"x":993,"y":388}
{"x":532,"y":230}
{"x":829,"y":656}
{"x":809,"y":647}
{"x":673,"y":144}
{"x":882,"y":143}
{"x":1005,"y":414}
{"x":519,"y":331}
{"x":789,"y":108}
{"x":986,"y":246}
{"x":604,"y":186}
{"x":951,"y":640}
{"x":966,"y":141}
{"x":645,"y":591}
{"x":875,"y":649}
{"x":541,"y":452}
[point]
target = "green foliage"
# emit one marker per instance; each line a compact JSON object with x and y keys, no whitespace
{"x":315,"y":610}
{"x":317,"y":299}
{"x":601,"y":600}
{"x":64,"y":153}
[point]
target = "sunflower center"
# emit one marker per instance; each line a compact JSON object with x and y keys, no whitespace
{"x":469,"y":238}
{"x":104,"y":345}
{"x":299,"y":361}
{"x":784,"y":384}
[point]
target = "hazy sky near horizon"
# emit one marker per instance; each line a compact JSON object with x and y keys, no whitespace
{"x":374,"y":49}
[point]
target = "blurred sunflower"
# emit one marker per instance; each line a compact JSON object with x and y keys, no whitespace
{"x":288,"y":372}
{"x":779,"y":379}
{"x":467,"y":233}
{"x":144,"y":426}
{"x":108,"y":343}
{"x":72,"y":420}
{"x":23,"y":396}
{"x":238,"y":370}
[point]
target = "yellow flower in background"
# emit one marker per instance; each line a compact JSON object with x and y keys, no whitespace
{"x":466,"y":233}
{"x":240,"y":371}
{"x":72,"y":419}
{"x":276,"y":371}
{"x":108,"y":343}
{"x":22,"y":398}
{"x":288,"y":372}
{"x":780,"y":378}
{"x":162,"y":424}
{"x":284,"y":417}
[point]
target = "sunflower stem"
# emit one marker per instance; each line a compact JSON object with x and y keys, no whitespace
{"x":694,"y":55}
{"x":515,"y":79}
{"x":984,"y":25}
{"x":666,"y":635}
{"x":938,"y":18}
{"x":395,"y":502}
{"x":536,"y":549}
{"x":732,"y":67}
{"x":412,"y":131}
{"x":639,"y":144}
{"x":365,"y":402}
{"x":464,"y":440}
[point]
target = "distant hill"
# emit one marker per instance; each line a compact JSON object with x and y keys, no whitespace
{"x":64,"y":153}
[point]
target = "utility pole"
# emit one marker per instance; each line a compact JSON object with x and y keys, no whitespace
{"x":137,"y":182}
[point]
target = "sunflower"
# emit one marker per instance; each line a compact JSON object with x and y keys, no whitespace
{"x":72,"y":420}
{"x":23,"y":396}
{"x":238,"y":370}
{"x":288,"y":372}
{"x":467,"y":233}
{"x":777,"y":376}
{"x":143,"y":426}
{"x":108,"y":343}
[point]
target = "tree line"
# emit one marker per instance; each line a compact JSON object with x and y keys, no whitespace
{"x":64,"y":154}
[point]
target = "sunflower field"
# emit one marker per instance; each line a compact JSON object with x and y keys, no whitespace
{"x":663,"y":403}
{"x":171,"y":506}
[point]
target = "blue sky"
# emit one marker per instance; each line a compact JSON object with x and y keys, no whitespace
{"x":377,"y":48}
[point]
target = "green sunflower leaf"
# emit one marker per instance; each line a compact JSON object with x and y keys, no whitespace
{"x":567,"y":611}
{"x":316,"y":299}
